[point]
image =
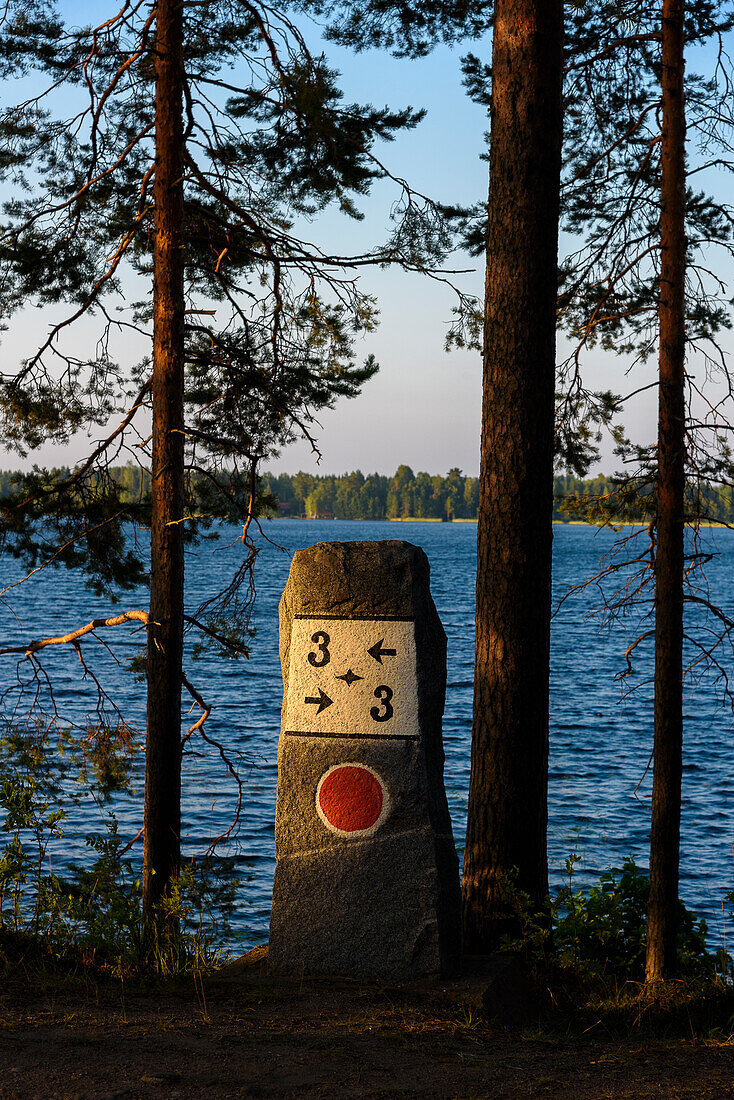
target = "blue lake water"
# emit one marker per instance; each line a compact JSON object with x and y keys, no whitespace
{"x":599,"y":791}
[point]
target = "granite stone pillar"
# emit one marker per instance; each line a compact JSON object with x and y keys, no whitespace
{"x":367,"y":877}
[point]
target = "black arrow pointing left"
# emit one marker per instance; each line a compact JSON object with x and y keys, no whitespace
{"x":322,"y":699}
{"x":378,"y":651}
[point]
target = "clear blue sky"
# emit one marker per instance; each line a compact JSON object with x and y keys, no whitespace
{"x":423,"y":408}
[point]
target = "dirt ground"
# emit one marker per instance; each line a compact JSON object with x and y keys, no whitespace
{"x":246,"y":1034}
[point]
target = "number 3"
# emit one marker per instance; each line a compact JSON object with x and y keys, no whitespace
{"x":322,"y":639}
{"x":384,"y":694}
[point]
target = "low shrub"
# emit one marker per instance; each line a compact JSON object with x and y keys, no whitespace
{"x":91,"y":915}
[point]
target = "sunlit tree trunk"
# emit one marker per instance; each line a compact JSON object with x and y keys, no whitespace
{"x":666,"y":794}
{"x":165,"y":632}
{"x":507,"y":821}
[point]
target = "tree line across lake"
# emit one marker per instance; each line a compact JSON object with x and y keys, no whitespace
{"x":409,"y":495}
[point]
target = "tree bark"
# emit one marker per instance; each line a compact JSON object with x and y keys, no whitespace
{"x":669,"y":557}
{"x":507,"y":823}
{"x":165,"y":629}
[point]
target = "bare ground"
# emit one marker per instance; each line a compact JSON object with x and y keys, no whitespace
{"x":246,"y":1034}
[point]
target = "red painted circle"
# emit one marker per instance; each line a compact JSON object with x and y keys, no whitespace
{"x":351,"y":798}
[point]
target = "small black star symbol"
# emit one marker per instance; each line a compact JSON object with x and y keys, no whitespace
{"x":349,"y":677}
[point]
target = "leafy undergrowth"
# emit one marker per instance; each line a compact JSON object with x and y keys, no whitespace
{"x":90,"y":917}
{"x":584,"y":961}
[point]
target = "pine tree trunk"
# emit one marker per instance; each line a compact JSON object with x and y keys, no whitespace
{"x":165,"y":631}
{"x":669,"y":561}
{"x":507,"y":821}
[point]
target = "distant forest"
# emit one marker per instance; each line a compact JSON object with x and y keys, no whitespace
{"x":402,"y":496}
{"x":431,"y":496}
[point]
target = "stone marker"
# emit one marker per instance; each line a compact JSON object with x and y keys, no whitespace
{"x":367,"y":878}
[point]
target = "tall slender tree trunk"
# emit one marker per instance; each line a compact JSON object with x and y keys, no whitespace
{"x":507,"y":822}
{"x":669,"y":561}
{"x":165,"y":631}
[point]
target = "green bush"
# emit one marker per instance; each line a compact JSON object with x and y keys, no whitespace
{"x":92,"y":915}
{"x":601,"y":930}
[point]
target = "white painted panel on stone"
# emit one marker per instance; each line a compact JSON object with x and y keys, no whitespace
{"x":352,"y":677}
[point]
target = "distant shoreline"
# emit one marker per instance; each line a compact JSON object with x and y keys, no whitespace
{"x":461,"y":519}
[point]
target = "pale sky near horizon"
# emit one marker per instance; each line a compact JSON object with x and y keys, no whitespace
{"x":424,"y":407}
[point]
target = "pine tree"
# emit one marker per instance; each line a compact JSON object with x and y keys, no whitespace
{"x":164,"y":661}
{"x":507,"y":819}
{"x":640,"y":284}
{"x":657,"y":294}
{"x":661,"y":944}
{"x":202,"y":131}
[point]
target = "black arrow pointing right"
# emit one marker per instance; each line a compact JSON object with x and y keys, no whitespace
{"x":322,"y":699}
